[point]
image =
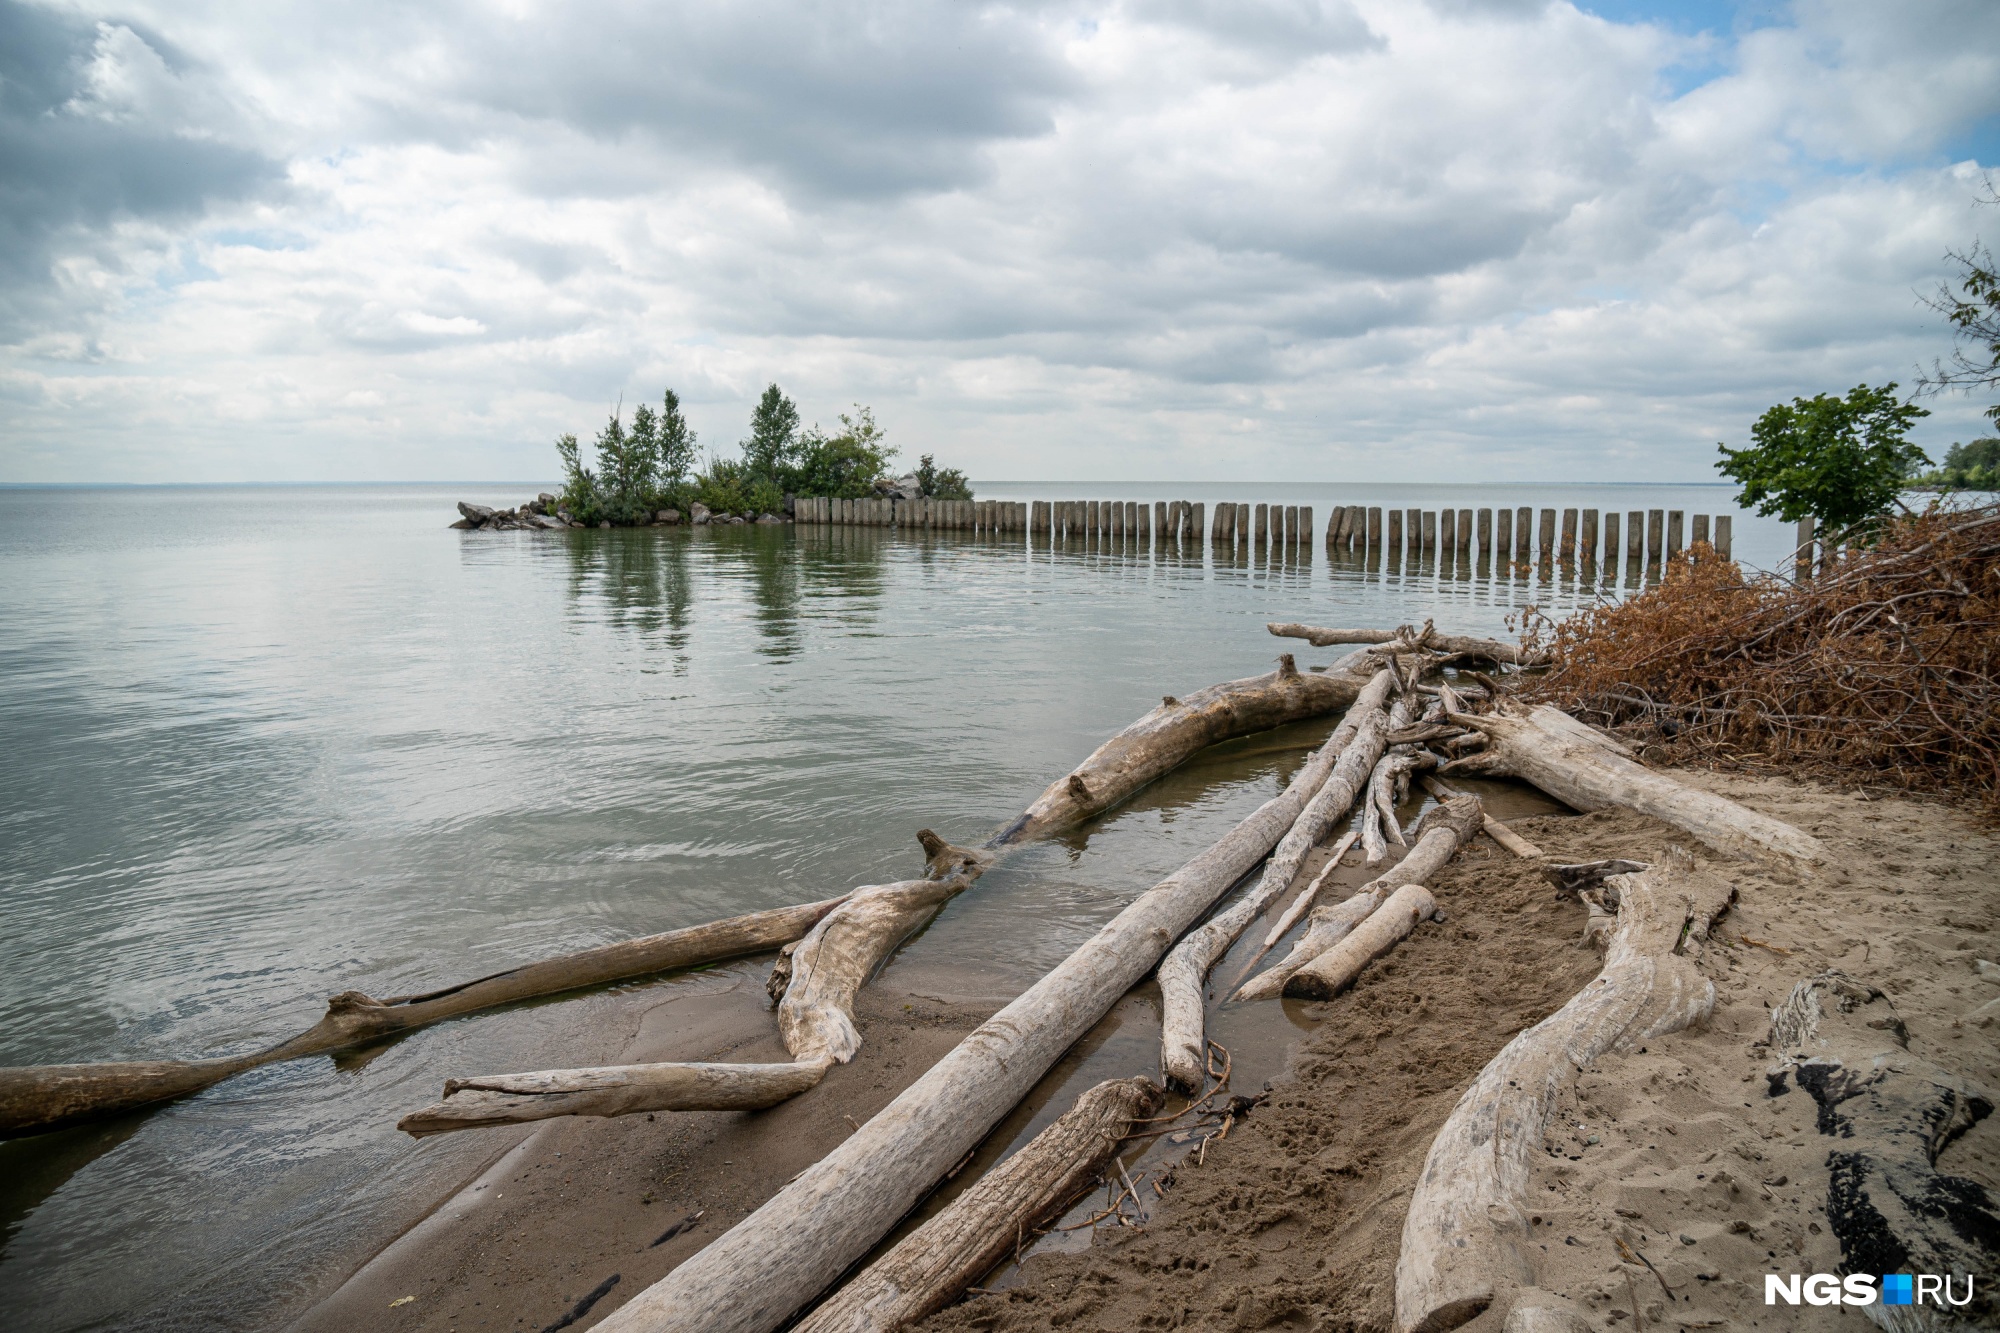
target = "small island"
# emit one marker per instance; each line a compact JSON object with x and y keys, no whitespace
{"x":644,"y":473}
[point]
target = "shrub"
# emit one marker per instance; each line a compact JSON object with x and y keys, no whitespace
{"x":729,"y":487}
{"x":846,"y":465}
{"x":1842,"y":461}
{"x":938,"y":483}
{"x":639,"y":470}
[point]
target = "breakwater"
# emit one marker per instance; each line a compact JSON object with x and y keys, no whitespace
{"x":1522,"y":535}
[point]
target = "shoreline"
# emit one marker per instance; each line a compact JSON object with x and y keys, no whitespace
{"x":1294,"y":1220}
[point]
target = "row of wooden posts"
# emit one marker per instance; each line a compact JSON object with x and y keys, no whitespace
{"x":1568,"y":535}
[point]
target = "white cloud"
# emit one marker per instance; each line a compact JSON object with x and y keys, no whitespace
{"x":1289,"y":240}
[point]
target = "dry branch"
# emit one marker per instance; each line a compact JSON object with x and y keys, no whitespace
{"x":1410,"y":638}
{"x":933,"y":1265}
{"x":34,"y":1099}
{"x":1345,"y":760}
{"x":1439,"y":835}
{"x":1465,"y":1241}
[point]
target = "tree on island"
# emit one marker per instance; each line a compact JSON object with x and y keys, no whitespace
{"x":648,"y":466}
{"x":1842,"y":461}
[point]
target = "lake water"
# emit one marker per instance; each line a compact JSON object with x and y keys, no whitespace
{"x":266,"y":744}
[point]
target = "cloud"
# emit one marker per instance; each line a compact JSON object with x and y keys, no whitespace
{"x":98,"y":129}
{"x":1164,"y":237}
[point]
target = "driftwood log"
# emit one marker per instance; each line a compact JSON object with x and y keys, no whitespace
{"x":1179,"y":728}
{"x":1300,"y":906}
{"x":506,"y":1099}
{"x":1439,"y":834}
{"x":1889,"y":1113}
{"x":814,"y":982}
{"x":1492,"y":827}
{"x":933,"y":1265}
{"x":1407,"y":638}
{"x":34,"y":1099}
{"x":1345,"y":760}
{"x":1589,"y":771}
{"x":1465,"y":1240}
{"x":803,"y":1238}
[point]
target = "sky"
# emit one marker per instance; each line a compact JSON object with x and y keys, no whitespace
{"x":1269,"y":240}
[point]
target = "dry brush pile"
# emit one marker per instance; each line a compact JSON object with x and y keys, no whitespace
{"x":1886,"y":665}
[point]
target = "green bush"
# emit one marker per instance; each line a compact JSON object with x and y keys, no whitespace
{"x":938,"y":483}
{"x":729,"y":487}
{"x":846,"y":465}
{"x":1842,"y":461}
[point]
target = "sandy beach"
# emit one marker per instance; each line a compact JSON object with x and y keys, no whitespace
{"x":1294,"y":1220}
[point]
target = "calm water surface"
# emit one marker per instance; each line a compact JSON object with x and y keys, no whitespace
{"x":268,"y":743}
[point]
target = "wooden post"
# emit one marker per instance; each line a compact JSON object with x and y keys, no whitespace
{"x":1610,"y":540}
{"x":1586,"y":537}
{"x":1722,"y":525}
{"x":1145,"y":515}
{"x":1430,"y":532}
{"x":1413,"y":529}
{"x":1674,"y":517}
{"x":1802,"y":553}
{"x":1306,"y":528}
{"x":1291,"y":533}
{"x":1447,"y":535}
{"x":1503,"y":538}
{"x":1698,"y":533}
{"x":1160,"y":518}
{"x":1197,"y":515}
{"x":1333,"y":521}
{"x":1656,"y":523}
{"x":1464,"y":534}
{"x":1094,"y":518}
{"x":1262,"y":539}
{"x":1375,"y":527}
{"x":1134,"y":520}
{"x":1635,"y":541}
{"x":1524,"y":533}
{"x":1038,"y":517}
{"x":1545,"y":540}
{"x":1114,"y":521}
{"x":1394,"y":539}
{"x":1486,"y":535}
{"x":1567,"y":552}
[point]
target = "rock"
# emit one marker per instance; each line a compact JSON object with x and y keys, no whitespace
{"x":699,"y":512}
{"x":476,"y":514}
{"x":668,"y":516}
{"x":605,"y":524}
{"x":902,"y":488}
{"x":549,"y":521}
{"x":735,"y":519}
{"x":546,"y":501}
{"x":461,"y":523}
{"x":531,"y":507}
{"x":769,"y":518}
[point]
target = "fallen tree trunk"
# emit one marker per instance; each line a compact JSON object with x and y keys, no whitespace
{"x":34,"y":1099}
{"x":1890,"y":1113}
{"x":1335,"y":970}
{"x":1591,"y":772}
{"x":815,"y":982}
{"x":1461,"y":645}
{"x":933,"y":1265}
{"x":1441,"y":832}
{"x":1184,"y":972}
{"x":1465,"y":1241}
{"x":506,"y":1099}
{"x":802,"y":1239}
{"x":1179,"y":728}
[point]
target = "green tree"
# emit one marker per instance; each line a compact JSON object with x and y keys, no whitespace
{"x":1843,"y":461}
{"x":774,"y":430}
{"x":936,"y":483}
{"x":845,"y":465}
{"x":1970,"y":467}
{"x":639,"y":470}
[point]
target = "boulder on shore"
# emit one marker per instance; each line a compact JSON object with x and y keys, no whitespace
{"x":668,"y":516}
{"x":699,"y":512}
